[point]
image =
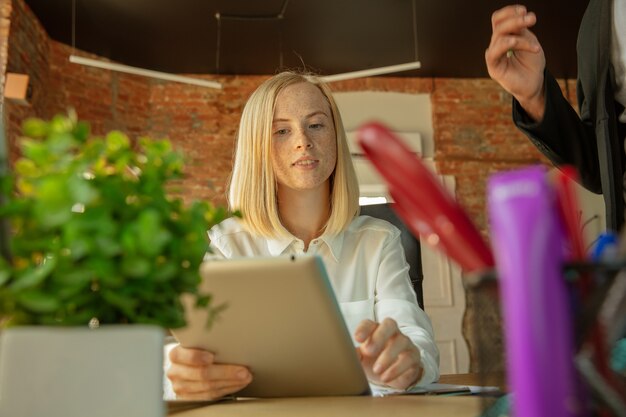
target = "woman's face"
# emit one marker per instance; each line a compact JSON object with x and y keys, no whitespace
{"x":304,"y":145}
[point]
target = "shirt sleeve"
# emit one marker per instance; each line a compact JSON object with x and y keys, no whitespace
{"x":395,"y":298}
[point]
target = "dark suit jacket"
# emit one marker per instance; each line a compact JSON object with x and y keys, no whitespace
{"x":593,"y":142}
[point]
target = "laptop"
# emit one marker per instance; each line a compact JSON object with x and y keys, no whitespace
{"x":282,"y":321}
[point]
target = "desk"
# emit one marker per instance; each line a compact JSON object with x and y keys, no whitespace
{"x":399,"y":405}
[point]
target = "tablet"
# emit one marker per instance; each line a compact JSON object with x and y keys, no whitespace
{"x":282,"y":321}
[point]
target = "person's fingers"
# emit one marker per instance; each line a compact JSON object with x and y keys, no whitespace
{"x":506,"y":13}
{"x":185,"y":391}
{"x":409,"y":377}
{"x":378,"y":339}
{"x":208,"y":381}
{"x":510,"y":30}
{"x":517,"y":43}
{"x":515,"y":25}
{"x":208,"y":372}
{"x":193,"y":357}
{"x":394,"y":348}
{"x":364,"y":330}
{"x":405,"y":360}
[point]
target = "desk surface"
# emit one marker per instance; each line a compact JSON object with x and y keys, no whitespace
{"x":398,"y":405}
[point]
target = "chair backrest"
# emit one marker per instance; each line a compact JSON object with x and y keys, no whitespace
{"x":410,"y":243}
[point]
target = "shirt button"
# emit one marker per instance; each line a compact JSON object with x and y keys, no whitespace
{"x":315,"y":242}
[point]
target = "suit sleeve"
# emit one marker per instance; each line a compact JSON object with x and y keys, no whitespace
{"x":563,"y":136}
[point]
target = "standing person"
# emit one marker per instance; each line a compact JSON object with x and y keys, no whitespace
{"x":594,"y":141}
{"x":294,"y":182}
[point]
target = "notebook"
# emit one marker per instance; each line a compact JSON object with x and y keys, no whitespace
{"x":282,"y":321}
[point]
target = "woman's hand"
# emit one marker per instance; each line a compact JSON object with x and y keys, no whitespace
{"x":388,"y":357}
{"x":195,"y":375}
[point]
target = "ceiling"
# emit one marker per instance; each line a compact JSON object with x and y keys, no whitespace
{"x":328,"y":36}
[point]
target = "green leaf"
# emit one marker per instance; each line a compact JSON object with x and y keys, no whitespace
{"x":81,"y":131}
{"x":36,"y":151}
{"x":34,"y":276}
{"x":165,"y":272}
{"x":75,"y":277}
{"x":60,"y":124}
{"x":5,"y":274}
{"x":38,"y":301}
{"x":135,"y":266}
{"x":60,"y":143}
{"x":125,"y":303}
{"x":116,"y":141}
{"x":82,"y":191}
{"x":35,"y":128}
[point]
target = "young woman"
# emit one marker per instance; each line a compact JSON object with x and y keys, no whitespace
{"x":294,"y":182}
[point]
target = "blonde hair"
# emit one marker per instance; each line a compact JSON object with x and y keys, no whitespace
{"x":252,"y":187}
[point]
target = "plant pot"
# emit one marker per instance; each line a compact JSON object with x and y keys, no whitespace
{"x":114,"y":370}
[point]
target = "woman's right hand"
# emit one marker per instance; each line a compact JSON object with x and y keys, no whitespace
{"x":195,"y":375}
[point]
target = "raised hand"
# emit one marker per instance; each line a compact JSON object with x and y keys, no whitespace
{"x":515,"y":58}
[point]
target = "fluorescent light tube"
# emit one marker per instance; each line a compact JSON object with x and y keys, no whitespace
{"x":371,"y":72}
{"x":143,"y":72}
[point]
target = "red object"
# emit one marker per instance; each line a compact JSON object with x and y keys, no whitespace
{"x":421,"y":201}
{"x":569,"y":210}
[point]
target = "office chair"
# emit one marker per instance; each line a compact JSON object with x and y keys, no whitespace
{"x":410,"y":244}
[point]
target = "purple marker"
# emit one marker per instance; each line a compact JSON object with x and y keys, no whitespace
{"x":527,"y":241}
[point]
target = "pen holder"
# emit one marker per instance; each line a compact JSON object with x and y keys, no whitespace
{"x":599,"y":330}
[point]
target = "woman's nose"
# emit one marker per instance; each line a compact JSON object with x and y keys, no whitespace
{"x":303,"y":141}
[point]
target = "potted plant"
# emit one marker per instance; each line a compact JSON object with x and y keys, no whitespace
{"x":97,"y":239}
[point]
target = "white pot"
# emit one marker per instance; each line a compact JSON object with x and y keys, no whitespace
{"x":110,"y":371}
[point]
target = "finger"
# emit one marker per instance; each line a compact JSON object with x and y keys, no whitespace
{"x":499,"y":49}
{"x":208,"y":373}
{"x":377,"y":341}
{"x":405,"y":360}
{"x":507,"y":13}
{"x":391,"y":352}
{"x":407,"y":378}
{"x":188,"y":356}
{"x":211,"y":389}
{"x":364,"y":330}
{"x":228,"y":372}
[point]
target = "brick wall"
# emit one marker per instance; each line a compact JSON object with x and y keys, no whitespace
{"x":5,"y":16}
{"x":27,"y":54}
{"x":473,"y":133}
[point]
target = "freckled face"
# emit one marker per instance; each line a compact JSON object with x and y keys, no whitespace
{"x":304,"y":145}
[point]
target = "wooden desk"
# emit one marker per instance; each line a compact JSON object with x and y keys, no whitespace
{"x":397,"y":406}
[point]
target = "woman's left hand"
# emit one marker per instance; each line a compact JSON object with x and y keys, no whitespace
{"x":388,"y":357}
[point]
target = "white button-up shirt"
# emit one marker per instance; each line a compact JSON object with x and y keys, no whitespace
{"x":367,"y":269}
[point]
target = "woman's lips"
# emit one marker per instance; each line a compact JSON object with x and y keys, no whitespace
{"x":306,"y":163}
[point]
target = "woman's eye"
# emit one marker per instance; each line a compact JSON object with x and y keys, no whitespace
{"x":281,"y":132}
{"x":316,"y":126}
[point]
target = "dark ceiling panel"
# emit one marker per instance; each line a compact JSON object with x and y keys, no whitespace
{"x":329,"y":36}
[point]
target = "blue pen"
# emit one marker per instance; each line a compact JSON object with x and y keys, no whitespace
{"x":606,"y":247}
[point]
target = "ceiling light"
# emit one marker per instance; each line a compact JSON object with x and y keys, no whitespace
{"x":372,"y":71}
{"x":143,"y":72}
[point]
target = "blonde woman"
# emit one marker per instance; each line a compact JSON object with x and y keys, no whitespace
{"x":294,"y":181}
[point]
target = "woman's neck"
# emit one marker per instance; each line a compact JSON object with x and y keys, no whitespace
{"x":304,"y":213}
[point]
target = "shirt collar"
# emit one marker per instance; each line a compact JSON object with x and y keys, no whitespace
{"x":334,"y":243}
{"x":277,"y":246}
